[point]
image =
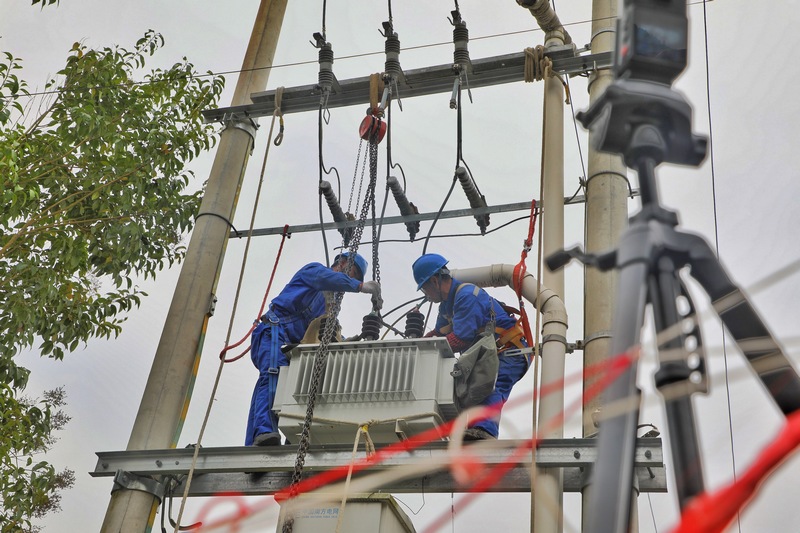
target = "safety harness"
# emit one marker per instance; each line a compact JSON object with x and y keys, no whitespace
{"x":507,"y":338}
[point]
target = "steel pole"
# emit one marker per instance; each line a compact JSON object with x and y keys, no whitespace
{"x":606,"y":218}
{"x":169,"y":386}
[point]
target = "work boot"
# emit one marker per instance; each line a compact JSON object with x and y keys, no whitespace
{"x":267,"y":439}
{"x":476,"y":433}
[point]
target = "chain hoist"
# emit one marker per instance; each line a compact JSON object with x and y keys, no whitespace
{"x":331,"y":323}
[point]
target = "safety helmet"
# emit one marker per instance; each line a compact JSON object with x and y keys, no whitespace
{"x":426,"y":266}
{"x":359,"y":261}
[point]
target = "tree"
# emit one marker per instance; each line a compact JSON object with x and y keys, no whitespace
{"x":34,"y":486}
{"x":95,"y":194}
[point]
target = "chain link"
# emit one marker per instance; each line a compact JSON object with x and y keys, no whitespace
{"x":373,"y":173}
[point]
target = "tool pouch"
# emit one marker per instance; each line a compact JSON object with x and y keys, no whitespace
{"x":475,"y":372}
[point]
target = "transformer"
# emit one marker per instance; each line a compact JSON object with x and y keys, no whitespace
{"x":398,"y":387}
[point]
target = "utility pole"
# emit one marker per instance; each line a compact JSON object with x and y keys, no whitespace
{"x":606,"y":218}
{"x":135,"y":499}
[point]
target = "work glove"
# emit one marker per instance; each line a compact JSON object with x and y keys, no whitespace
{"x":373,"y":288}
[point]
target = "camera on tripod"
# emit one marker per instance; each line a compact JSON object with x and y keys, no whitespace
{"x":652,"y":40}
{"x":640,"y":115}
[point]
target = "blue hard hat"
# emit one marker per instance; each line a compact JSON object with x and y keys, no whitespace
{"x":426,"y":266}
{"x":360,"y":262}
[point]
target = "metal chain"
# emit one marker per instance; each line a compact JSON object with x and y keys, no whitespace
{"x":373,"y":176}
{"x":355,"y":173}
{"x":331,"y":324}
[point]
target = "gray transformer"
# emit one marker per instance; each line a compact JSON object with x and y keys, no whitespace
{"x":398,"y":388}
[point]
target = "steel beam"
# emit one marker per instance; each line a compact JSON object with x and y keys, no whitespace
{"x":455,"y":213}
{"x":486,"y":72}
{"x":269,"y":469}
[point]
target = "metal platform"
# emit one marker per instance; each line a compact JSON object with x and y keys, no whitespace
{"x":270,"y":469}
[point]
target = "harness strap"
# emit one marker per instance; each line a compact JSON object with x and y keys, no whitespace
{"x":510,"y":337}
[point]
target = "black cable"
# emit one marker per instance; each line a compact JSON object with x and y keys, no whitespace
{"x":324,"y":11}
{"x":385,"y":241}
{"x":439,"y":213}
{"x":321,"y":169}
{"x":384,"y":315}
{"x":577,"y":136}
{"x":580,"y":186}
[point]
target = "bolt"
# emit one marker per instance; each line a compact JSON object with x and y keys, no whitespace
{"x":576,"y":454}
{"x":158,"y":463}
{"x":105,"y":465}
{"x":648,"y":454}
{"x":177,"y":463}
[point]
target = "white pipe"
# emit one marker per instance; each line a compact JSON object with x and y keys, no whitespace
{"x":547,"y":496}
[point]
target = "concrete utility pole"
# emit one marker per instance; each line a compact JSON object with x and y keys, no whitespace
{"x":606,"y":218}
{"x":135,"y":499}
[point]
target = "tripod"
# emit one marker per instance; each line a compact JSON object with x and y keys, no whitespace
{"x":649,"y":123}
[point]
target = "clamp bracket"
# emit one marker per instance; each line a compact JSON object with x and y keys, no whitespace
{"x":130,"y":481}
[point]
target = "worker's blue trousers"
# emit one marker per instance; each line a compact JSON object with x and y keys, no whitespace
{"x":267,"y":356}
{"x":512,"y":368}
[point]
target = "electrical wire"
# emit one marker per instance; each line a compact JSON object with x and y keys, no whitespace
{"x":319,"y":193}
{"x":211,"y":74}
{"x":716,"y":245}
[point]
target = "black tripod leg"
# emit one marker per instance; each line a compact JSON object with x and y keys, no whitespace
{"x":762,"y":351}
{"x":673,"y":382}
{"x":612,"y":479}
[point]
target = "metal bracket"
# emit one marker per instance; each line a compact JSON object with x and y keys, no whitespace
{"x":129,"y":481}
{"x":602,"y":334}
{"x":212,"y":305}
{"x":246,"y":124}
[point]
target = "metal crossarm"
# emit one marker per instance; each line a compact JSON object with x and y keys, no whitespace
{"x":489,"y":71}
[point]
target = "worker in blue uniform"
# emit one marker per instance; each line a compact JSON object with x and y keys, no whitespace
{"x":290,"y":313}
{"x":464,"y":312}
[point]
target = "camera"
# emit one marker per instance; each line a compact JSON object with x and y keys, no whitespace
{"x":652,"y":40}
{"x":640,"y":115}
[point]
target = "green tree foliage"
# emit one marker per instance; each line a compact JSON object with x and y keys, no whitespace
{"x":34,"y":487}
{"x":95,"y":193}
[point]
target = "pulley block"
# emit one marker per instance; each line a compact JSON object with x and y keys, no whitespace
{"x":372,"y":129}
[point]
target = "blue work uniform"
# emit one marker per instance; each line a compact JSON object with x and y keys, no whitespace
{"x":468,"y":311}
{"x":289,"y":315}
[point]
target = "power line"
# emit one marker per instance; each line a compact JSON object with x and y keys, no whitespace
{"x":309,"y":62}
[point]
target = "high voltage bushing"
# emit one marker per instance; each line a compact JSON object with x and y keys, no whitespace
{"x":326,"y":77}
{"x":371,"y":327}
{"x":460,"y":41}
{"x":415,"y":325}
{"x":406,"y":207}
{"x":475,"y":198}
{"x":392,"y":47}
{"x":326,"y":190}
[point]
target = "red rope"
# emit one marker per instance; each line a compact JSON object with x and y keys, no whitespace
{"x":263,"y":305}
{"x":519,"y":274}
{"x":712,"y":512}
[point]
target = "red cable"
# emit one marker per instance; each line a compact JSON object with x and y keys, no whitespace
{"x":713,"y":512}
{"x":263,"y":304}
{"x":519,"y":274}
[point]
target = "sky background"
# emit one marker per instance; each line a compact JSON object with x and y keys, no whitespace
{"x":747,"y":206}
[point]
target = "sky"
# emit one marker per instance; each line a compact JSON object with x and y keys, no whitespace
{"x":741,"y":199}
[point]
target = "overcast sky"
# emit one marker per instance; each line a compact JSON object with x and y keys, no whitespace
{"x":754,"y":110}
